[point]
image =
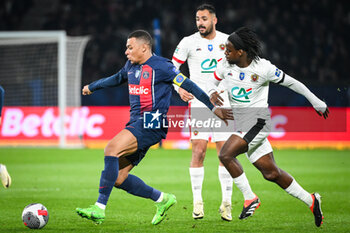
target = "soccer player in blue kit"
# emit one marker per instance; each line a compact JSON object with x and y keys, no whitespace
{"x":150,"y":80}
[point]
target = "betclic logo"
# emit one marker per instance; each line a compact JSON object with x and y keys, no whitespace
{"x":138,"y":90}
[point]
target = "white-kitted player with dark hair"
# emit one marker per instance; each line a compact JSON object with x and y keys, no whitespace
{"x":203,"y":50}
{"x":246,"y":77}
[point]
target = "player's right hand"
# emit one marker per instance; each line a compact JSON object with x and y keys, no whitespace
{"x":216,"y":99}
{"x":323,"y":113}
{"x":86,"y":90}
{"x":322,"y":109}
{"x":185,"y":96}
{"x":224,"y":114}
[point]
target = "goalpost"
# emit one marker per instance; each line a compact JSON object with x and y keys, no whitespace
{"x":42,"y":68}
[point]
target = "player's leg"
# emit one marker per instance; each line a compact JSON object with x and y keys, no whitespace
{"x":233,"y":147}
{"x":226,"y":187}
{"x":5,"y":176}
{"x":135,"y":186}
{"x":124,"y":143}
{"x":269,"y":169}
{"x":199,"y":147}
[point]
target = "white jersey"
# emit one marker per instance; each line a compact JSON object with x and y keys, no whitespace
{"x":202,"y":55}
{"x":248,"y":89}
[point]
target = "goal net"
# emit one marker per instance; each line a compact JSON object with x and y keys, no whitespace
{"x":40,"y":72}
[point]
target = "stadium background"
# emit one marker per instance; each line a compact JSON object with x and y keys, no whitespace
{"x":306,"y":39}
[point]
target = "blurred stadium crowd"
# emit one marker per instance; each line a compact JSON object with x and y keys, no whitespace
{"x":307,"y":39}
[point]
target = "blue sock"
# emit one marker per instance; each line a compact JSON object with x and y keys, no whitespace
{"x":135,"y":186}
{"x":108,"y":177}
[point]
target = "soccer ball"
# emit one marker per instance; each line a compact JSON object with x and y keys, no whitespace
{"x":35,"y":216}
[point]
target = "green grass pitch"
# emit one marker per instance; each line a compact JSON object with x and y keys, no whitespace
{"x":65,"y":179}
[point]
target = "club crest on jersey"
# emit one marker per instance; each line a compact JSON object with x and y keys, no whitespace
{"x":241,"y":76}
{"x":145,"y":75}
{"x":255,"y":77}
{"x":210,"y":47}
{"x":195,"y":132}
{"x":222,"y":46}
{"x":137,"y":73}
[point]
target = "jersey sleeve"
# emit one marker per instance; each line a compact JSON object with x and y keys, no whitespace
{"x":219,"y":72}
{"x":111,"y":81}
{"x":181,"y":52}
{"x":273,"y":74}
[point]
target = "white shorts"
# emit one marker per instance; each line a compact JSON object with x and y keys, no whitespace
{"x":215,"y":135}
{"x":258,"y":144}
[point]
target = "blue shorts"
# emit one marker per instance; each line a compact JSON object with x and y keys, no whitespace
{"x":145,"y":139}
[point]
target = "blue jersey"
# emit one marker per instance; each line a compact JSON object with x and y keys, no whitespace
{"x":150,"y":85}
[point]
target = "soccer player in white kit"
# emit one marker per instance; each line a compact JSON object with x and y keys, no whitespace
{"x":203,"y":50}
{"x":246,"y":77}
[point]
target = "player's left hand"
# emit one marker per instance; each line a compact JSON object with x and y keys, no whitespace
{"x":224,"y":114}
{"x":216,"y":99}
{"x":323,"y":113}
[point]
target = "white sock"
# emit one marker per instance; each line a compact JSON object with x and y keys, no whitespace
{"x":160,"y":199}
{"x":226,"y":184}
{"x":242,"y":184}
{"x":197,"y":176}
{"x":102,"y":206}
{"x":297,"y":191}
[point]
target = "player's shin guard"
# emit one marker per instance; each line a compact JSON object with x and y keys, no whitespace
{"x":135,"y":186}
{"x":108,"y":178}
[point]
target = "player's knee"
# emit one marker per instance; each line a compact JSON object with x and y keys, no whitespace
{"x":225,"y":157}
{"x":111,"y":150}
{"x":198,"y":153}
{"x":272,"y":175}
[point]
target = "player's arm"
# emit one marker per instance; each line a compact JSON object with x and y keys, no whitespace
{"x":111,"y":81}
{"x":212,"y":85}
{"x":293,"y":84}
{"x":185,"y":83}
{"x":184,"y":95}
{"x":180,"y":55}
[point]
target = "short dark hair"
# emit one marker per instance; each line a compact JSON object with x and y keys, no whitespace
{"x":143,"y":35}
{"x":246,"y":39}
{"x":208,"y":7}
